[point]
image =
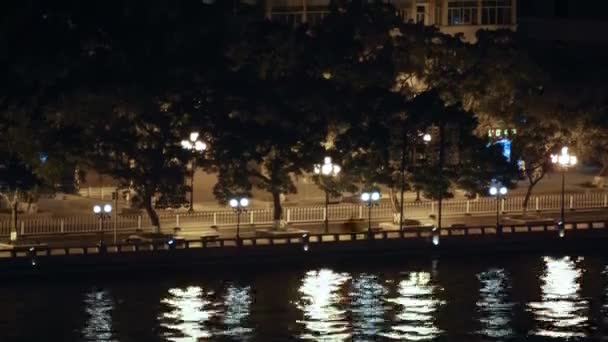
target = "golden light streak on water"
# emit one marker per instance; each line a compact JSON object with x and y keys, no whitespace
{"x":322,"y":306}
{"x":561,"y":313}
{"x":418,"y":305}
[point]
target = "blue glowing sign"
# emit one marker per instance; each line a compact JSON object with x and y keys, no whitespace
{"x":506,"y":148}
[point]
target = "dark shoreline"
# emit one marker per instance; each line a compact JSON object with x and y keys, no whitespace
{"x":247,"y":258}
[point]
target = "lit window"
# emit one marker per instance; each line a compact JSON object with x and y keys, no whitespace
{"x":462,"y":12}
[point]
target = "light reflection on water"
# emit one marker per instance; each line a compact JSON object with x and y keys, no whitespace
{"x":561,"y":313}
{"x":237,"y":307}
{"x":418,"y":305}
{"x":192,"y":314}
{"x":322,"y":305}
{"x":494,"y":306}
{"x":98,"y":306}
{"x":328,"y":305}
{"x":368,"y":307}
{"x":187,"y":312}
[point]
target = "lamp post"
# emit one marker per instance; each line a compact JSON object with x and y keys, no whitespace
{"x":239,"y":206}
{"x":102,"y":213}
{"x":328,"y":170}
{"x":498,"y":190}
{"x":370,"y":199}
{"x":195,"y":146}
{"x":564,"y":160}
{"x":426,"y":138}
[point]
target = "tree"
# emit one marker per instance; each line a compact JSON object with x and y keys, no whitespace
{"x":136,"y":141}
{"x":32,"y":159}
{"x":536,"y":140}
{"x":272,"y":124}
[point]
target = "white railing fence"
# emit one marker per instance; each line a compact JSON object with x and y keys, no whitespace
{"x":340,"y":212}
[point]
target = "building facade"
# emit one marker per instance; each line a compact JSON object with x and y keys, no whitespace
{"x":450,"y":16}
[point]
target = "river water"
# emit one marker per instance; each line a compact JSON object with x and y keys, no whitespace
{"x":532,"y":298}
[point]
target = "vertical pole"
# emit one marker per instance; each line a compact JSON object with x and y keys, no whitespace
{"x":238,"y":223}
{"x":369,"y":218}
{"x":497,"y":211}
{"x":440,"y":171}
{"x":561,"y":216}
{"x":115,"y":214}
{"x":191,"y":209}
{"x":62,"y":226}
{"x":402,"y":209}
{"x":326,"y":212}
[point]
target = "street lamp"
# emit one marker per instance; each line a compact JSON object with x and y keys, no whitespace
{"x":104,"y":212}
{"x":327,"y":169}
{"x":498,"y":190}
{"x":426,"y":138}
{"x":370,"y":199}
{"x":564,"y":160}
{"x":239,"y":206}
{"x":195,"y":146}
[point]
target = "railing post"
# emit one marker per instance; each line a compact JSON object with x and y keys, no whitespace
{"x":360,"y":211}
{"x":177,"y":220}
{"x":215,"y":219}
{"x":139,"y":222}
{"x":251,"y":217}
{"x":468,"y":210}
{"x":537,"y":204}
{"x":288,"y":216}
{"x":22,"y":228}
{"x":571,"y":202}
{"x":605,"y":200}
{"x":324,"y":214}
{"x":502,"y":205}
{"x":62,"y":226}
{"x":432,"y":207}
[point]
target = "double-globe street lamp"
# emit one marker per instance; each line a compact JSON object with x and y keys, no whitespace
{"x":371,"y":200}
{"x":564,"y":161}
{"x":327,"y":170}
{"x":195,"y":146}
{"x":239,"y":205}
{"x":497,"y":190}
{"x":104,"y":212}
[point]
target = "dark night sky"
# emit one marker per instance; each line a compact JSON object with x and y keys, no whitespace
{"x":567,"y":9}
